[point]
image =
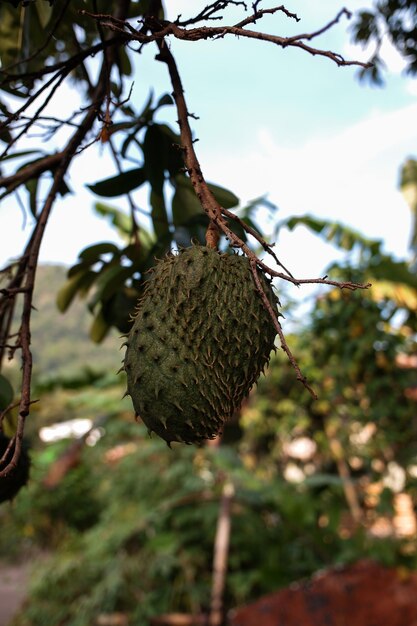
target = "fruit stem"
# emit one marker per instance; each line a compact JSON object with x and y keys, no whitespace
{"x":212,"y":235}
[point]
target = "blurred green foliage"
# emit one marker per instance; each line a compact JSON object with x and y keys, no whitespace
{"x":131,"y":527}
{"x":149,"y":517}
{"x":394,"y":20}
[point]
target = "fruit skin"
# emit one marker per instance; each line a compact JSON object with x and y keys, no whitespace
{"x":199,"y":341}
{"x":11,"y":484}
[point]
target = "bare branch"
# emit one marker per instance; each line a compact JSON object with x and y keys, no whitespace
{"x":160,"y":30}
{"x":70,"y":64}
{"x":326,"y":27}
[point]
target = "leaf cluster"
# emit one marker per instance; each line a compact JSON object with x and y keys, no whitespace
{"x":394,"y":19}
{"x":115,"y":275}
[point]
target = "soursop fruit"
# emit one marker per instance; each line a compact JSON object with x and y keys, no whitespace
{"x":199,"y":341}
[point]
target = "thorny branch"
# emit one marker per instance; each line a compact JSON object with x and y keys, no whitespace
{"x":217,"y":214}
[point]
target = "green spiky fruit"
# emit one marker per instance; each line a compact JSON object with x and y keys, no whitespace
{"x":199,"y":341}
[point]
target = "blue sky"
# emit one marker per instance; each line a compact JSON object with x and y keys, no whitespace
{"x":272,"y":121}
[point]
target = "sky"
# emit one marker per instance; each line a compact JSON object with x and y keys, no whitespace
{"x":273,"y":122}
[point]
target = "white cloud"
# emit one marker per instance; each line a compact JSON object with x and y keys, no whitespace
{"x":351,"y":177}
{"x":411,"y":86}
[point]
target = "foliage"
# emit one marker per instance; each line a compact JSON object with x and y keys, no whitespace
{"x":149,"y":513}
{"x":392,"y":19}
{"x":150,"y":550}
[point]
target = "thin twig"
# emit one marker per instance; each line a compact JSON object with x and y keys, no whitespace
{"x":259,"y":14}
{"x":251,"y":231}
{"x":278,"y":328}
{"x":59,"y":77}
{"x":209,"y":12}
{"x":323,"y":29}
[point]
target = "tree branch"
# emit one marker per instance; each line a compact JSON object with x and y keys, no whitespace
{"x":32,"y":170}
{"x":27,"y":266}
{"x":160,"y":30}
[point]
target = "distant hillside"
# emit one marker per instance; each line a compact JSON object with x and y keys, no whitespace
{"x":60,"y":342}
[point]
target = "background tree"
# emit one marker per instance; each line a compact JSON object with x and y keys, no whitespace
{"x":392,"y":19}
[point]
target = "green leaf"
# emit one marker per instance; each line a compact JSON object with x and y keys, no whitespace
{"x":17,"y":155}
{"x":119,"y":309}
{"x":226,"y":198}
{"x":154,"y":148}
{"x":120,"y":184}
{"x":165,"y":100}
{"x":323,"y":480}
{"x":386,"y":268}
{"x":193,"y":229}
{"x":119,"y":219}
{"x":10,"y":35}
{"x":63,"y":189}
{"x":93,"y":253}
{"x":159,"y":213}
{"x":185,"y":203}
{"x":147,"y":109}
{"x":110,"y":280}
{"x":99,"y":328}
{"x":408,"y":186}
{"x":5,"y":135}
{"x":6,"y":393}
{"x":338,"y":234}
{"x":123,"y":61}
{"x":79,"y":267}
{"x":161,"y":153}
{"x":44,"y":10}
{"x":408,"y":173}
{"x":173,"y":154}
{"x":77,"y":283}
{"x":32,"y":187}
